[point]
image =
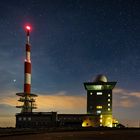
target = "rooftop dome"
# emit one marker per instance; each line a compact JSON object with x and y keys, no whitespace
{"x":101,"y":78}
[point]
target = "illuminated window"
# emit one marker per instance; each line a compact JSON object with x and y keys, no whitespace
{"x":19,"y":118}
{"x":108,"y":109}
{"x":24,"y":118}
{"x":108,"y":104}
{"x":99,"y":93}
{"x":108,"y":100}
{"x":29,"y":119}
{"x":99,"y":107}
{"x":98,"y":111}
{"x":101,"y":120}
{"x":101,"y":116}
{"x":97,"y":87}
{"x":108,"y":95}
{"x":91,"y":107}
{"x":91,"y":93}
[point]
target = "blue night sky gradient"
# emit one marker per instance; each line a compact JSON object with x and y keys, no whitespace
{"x":72,"y":42}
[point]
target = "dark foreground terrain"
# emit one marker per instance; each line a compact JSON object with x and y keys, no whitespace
{"x":126,"y":134}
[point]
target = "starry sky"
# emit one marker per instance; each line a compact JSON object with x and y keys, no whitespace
{"x":72,"y":42}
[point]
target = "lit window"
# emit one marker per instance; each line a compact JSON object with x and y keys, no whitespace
{"x":91,"y":93}
{"x":99,"y":93}
{"x":29,"y":119}
{"x":101,"y":120}
{"x":108,"y":95}
{"x":98,"y":111}
{"x":19,"y":118}
{"x":97,"y":87}
{"x":108,"y":109}
{"x":91,"y":107}
{"x":99,"y":107}
{"x":24,"y":118}
{"x":108,"y":104}
{"x":101,"y":116}
{"x":108,"y":100}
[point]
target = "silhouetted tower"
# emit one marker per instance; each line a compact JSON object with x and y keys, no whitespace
{"x":99,"y":99}
{"x":27,"y":97}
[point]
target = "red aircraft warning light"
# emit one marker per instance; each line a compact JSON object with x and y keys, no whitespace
{"x":28,"y":27}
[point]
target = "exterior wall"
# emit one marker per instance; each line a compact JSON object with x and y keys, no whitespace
{"x":52,"y":119}
{"x":99,"y":104}
{"x":91,"y":121}
{"x":79,"y":120}
{"x":107,"y":120}
{"x":36,"y":120}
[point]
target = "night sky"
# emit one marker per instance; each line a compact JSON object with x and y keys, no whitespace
{"x":72,"y":42}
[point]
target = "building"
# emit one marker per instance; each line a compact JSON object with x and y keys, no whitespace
{"x":99,"y":110}
{"x":78,"y":120}
{"x":99,"y":103}
{"x":36,"y":120}
{"x":52,"y":119}
{"x":99,"y":99}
